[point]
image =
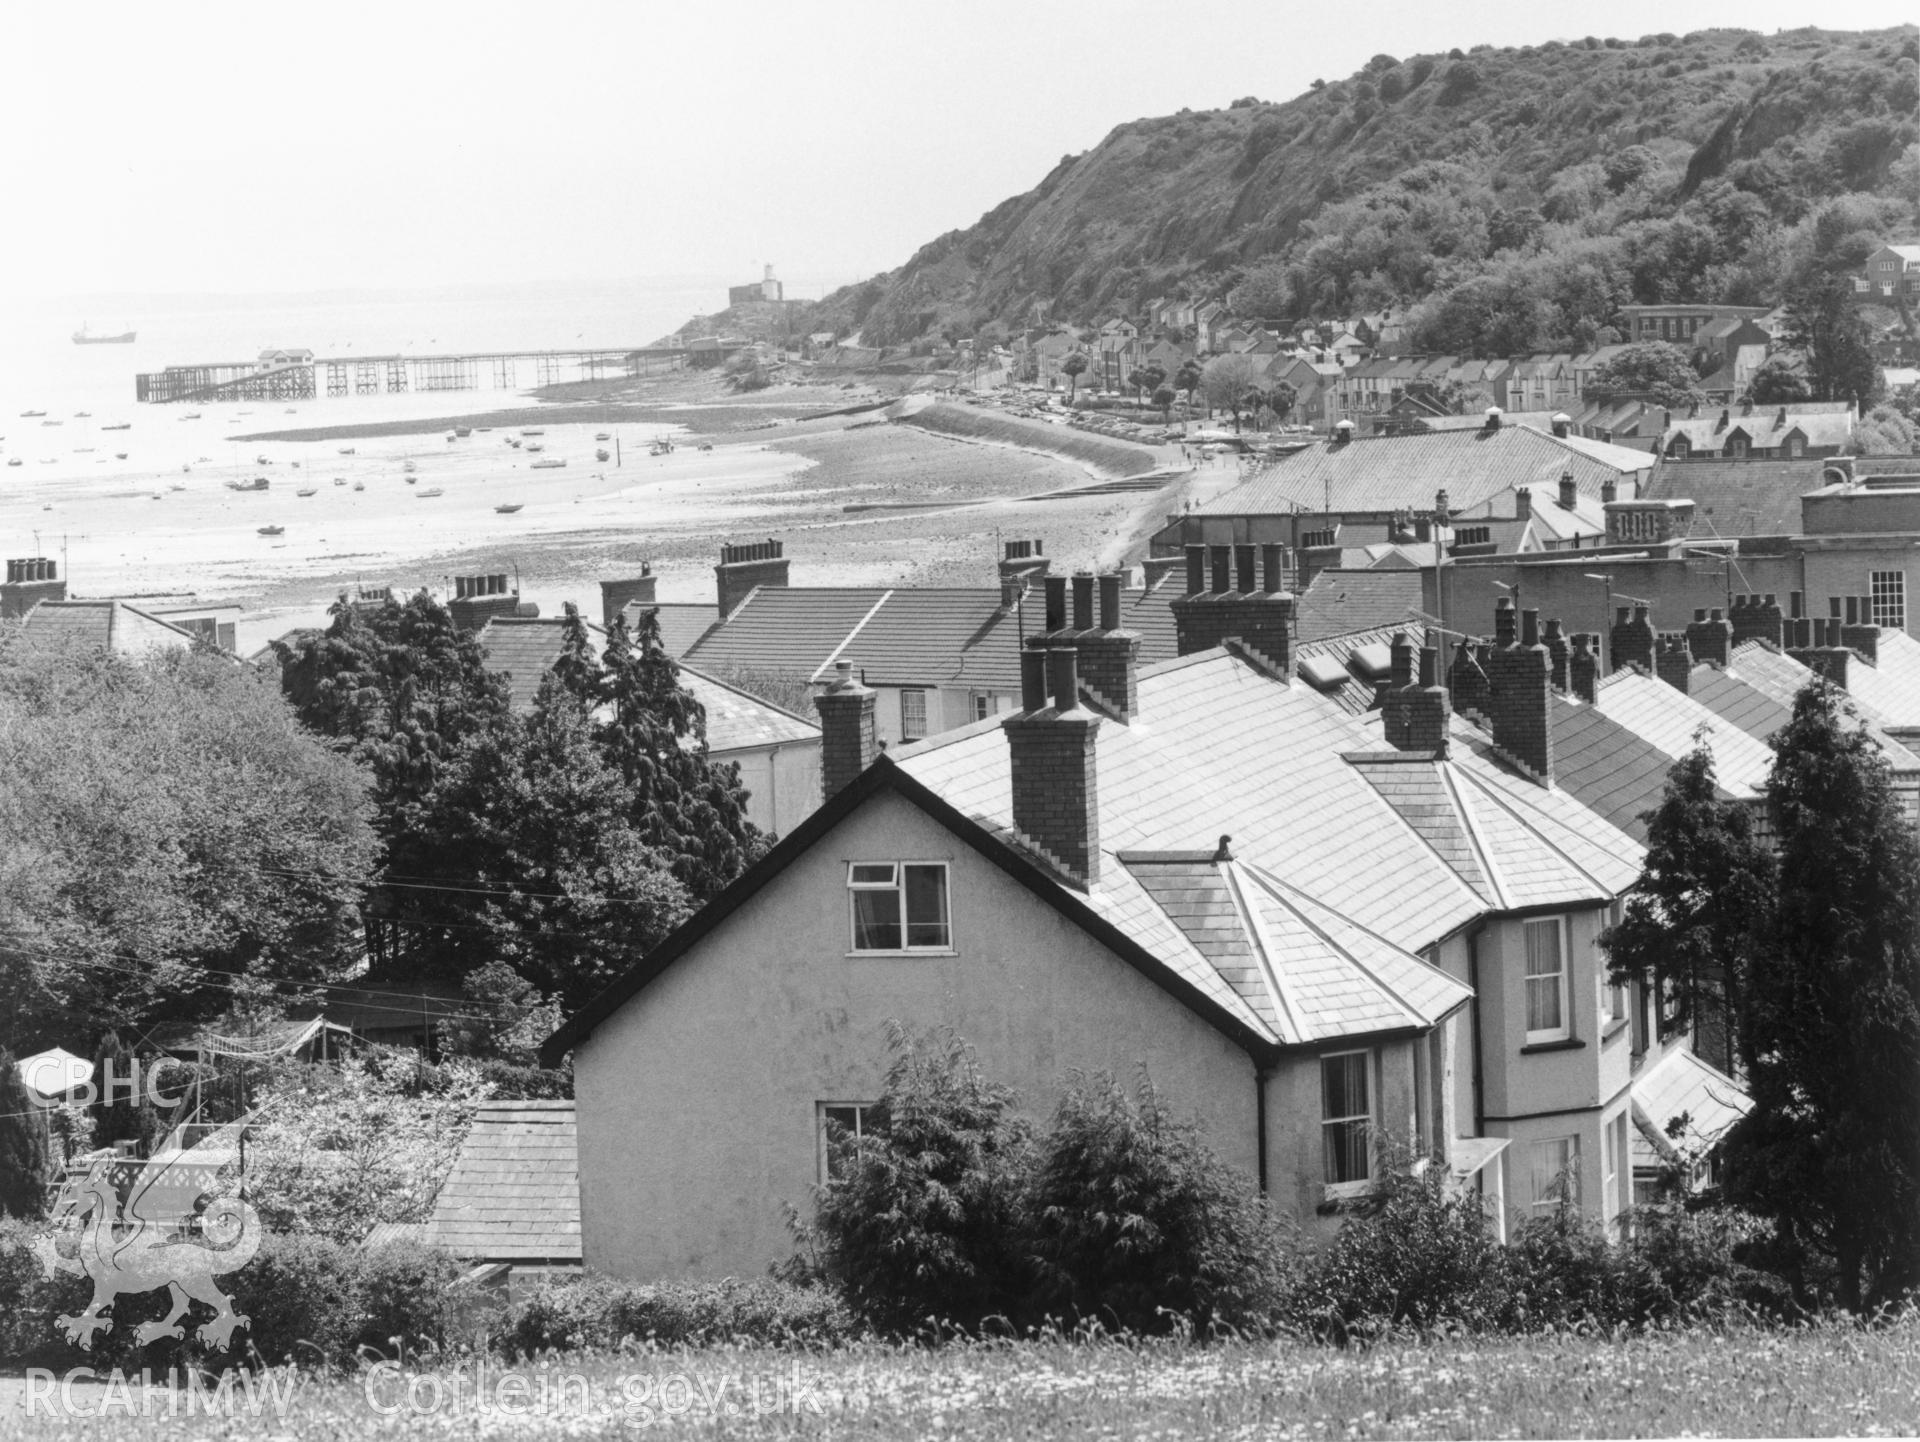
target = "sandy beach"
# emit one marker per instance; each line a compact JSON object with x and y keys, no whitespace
{"x":855,"y":499}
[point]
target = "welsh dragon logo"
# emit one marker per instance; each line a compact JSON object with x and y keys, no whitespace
{"x":171,"y":1231}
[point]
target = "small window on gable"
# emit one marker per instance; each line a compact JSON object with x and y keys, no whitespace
{"x":1546,"y":981}
{"x":899,"y":906}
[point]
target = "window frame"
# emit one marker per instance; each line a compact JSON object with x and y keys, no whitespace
{"x":898,"y":887}
{"x":1888,"y":598}
{"x":821,"y":1118}
{"x":1563,"y":933}
{"x":907,"y":733}
{"x":1545,"y":1202}
{"x":984,"y":704}
{"x":1359,"y":1186}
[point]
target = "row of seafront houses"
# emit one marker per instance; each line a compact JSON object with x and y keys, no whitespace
{"x":1327,"y":886}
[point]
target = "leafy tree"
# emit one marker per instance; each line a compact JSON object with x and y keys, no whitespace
{"x":1690,"y":925}
{"x":505,"y":1018}
{"x":1886,"y":431}
{"x":1281,"y":399}
{"x":1825,"y":326}
{"x":23,"y":1145}
{"x":1136,"y":382}
{"x":169,"y":836}
{"x":1073,"y":367}
{"x":1227,"y":380}
{"x":1152,"y":376}
{"x":545,"y":857}
{"x":1188,"y":377}
{"x":1778,"y":382}
{"x":127,"y":1114}
{"x":1831,"y":1149}
{"x":1652,"y":367}
{"x":1164,"y":397}
{"x":1265,"y":292}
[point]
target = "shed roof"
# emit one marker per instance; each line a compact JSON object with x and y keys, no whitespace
{"x":514,"y":1192}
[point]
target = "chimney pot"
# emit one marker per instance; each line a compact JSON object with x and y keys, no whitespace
{"x":1110,"y":602}
{"x":1196,"y":570}
{"x":1243,"y":569}
{"x":1400,"y":652}
{"x":847,"y":737}
{"x":1083,"y":600}
{"x":1609,"y":493}
{"x":1222,"y":559}
{"x":1569,"y":494}
{"x":1056,"y":617}
{"x":1270,"y":568}
{"x":1523,"y":503}
{"x":1063,"y":678}
{"x":1530,"y":627}
{"x":1033,"y":679}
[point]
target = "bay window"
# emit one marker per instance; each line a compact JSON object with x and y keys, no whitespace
{"x":1548,"y":1017}
{"x":1346,"y":1120}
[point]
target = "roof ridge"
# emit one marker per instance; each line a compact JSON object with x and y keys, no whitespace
{"x":1255,"y":927}
{"x":847,"y":640}
{"x":1327,"y":939}
{"x":1534,"y":829}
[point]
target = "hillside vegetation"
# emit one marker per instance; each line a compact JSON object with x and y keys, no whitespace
{"x":1516,"y":197}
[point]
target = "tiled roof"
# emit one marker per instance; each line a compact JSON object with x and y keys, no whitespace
{"x":1329,"y":667}
{"x":1608,"y":767}
{"x":514,"y":1192}
{"x":1660,"y":715}
{"x":1734,"y":698}
{"x":1386,"y":473}
{"x":1738,"y":498}
{"x":1764,"y":428}
{"x":1891,"y":685}
{"x":1337,"y":602}
{"x":681,"y":623}
{"x":904,"y":635}
{"x":102,"y":625}
{"x":1757,"y":694}
{"x":526,"y":648}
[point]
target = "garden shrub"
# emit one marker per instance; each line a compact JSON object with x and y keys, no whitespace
{"x":920,"y":1223}
{"x":601,"y":1313}
{"x":1133,"y":1223}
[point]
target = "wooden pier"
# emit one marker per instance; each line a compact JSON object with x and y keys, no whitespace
{"x":308,"y":377}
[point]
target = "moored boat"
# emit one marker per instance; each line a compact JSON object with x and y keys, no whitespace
{"x":603,"y":435}
{"x":307,"y":491}
{"x":603,"y":454}
{"x":508,"y":509}
{"x":272,"y":530}
{"x":429,"y":493}
{"x":549,"y":463}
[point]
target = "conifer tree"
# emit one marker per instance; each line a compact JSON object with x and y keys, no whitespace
{"x":1831,"y":1149}
{"x":23,"y":1145}
{"x":1689,"y":926}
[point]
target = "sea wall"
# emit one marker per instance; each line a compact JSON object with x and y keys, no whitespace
{"x":1103,"y":457}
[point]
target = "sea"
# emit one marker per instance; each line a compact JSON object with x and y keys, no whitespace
{"x":135,"y":499}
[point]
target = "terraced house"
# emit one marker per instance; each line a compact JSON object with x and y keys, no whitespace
{"x":1330,"y":928}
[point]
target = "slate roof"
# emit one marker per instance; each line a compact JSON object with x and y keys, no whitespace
{"x":1386,"y":473}
{"x":514,"y":1192}
{"x":681,"y":623}
{"x":1331,"y":666}
{"x":526,"y":648}
{"x":102,"y":625}
{"x":1764,"y":428}
{"x":1609,"y":767}
{"x":1338,"y":602}
{"x":918,"y":636}
{"x":1738,"y":498}
{"x":1891,"y":685}
{"x":1660,"y":715}
{"x":1756,"y":694}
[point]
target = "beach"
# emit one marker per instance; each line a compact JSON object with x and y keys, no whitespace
{"x":856,"y":499}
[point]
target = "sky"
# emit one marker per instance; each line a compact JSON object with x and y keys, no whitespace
{"x":241,"y":148}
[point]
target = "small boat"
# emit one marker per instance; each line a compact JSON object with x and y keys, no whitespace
{"x":261,"y":461}
{"x":272,"y":530}
{"x":411,"y":480}
{"x":514,"y":441}
{"x":463,"y":431}
{"x":83,"y":336}
{"x":549,"y":463}
{"x":25,"y":414}
{"x":307,"y":491}
{"x":603,"y":454}
{"x":191,"y":416}
{"x":507,"y":510}
{"x":53,"y":423}
{"x":359,"y":485}
{"x":158,"y":497}
{"x":660,"y":448}
{"x":258,"y":483}
{"x":603,"y":435}
{"x":705,"y":446}
{"x":13,"y":461}
{"x":83,"y":415}
{"x":339,"y":480}
{"x":296,"y":465}
{"x":429,"y":492}
{"x":123,"y":426}
{"x":533,"y":433}
{"x":346,"y":450}
{"x":290,"y":411}
{"x":483,"y":429}
{"x":451,"y":438}
{"x":409,"y":468}
{"x":119,"y":455}
{"x":83,"y":450}
{"x":536,"y":446}
{"x":176,"y":487}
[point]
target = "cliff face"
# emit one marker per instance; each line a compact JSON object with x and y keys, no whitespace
{"x":1569,"y":141}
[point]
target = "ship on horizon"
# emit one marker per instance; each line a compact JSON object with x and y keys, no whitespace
{"x":84,"y":336}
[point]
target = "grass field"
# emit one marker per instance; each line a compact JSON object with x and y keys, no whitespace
{"x":1819,"y":1382}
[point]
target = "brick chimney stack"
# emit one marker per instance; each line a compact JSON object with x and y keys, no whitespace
{"x":616,"y":596}
{"x":1417,"y":710}
{"x":743,"y":567}
{"x":1520,"y":702}
{"x":1583,"y":668}
{"x":1632,"y":639}
{"x":30,"y":581}
{"x":1673,"y":662}
{"x":1558,"y":652}
{"x":1710,"y":638}
{"x":1523,"y":503}
{"x":1467,"y":680}
{"x":847,"y":744}
{"x":1569,"y":493}
{"x":1822,"y":657}
{"x":1056,"y":796}
{"x":1110,"y":657}
{"x":478,"y":599}
{"x":1260,"y":621}
{"x":1756,"y":618}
